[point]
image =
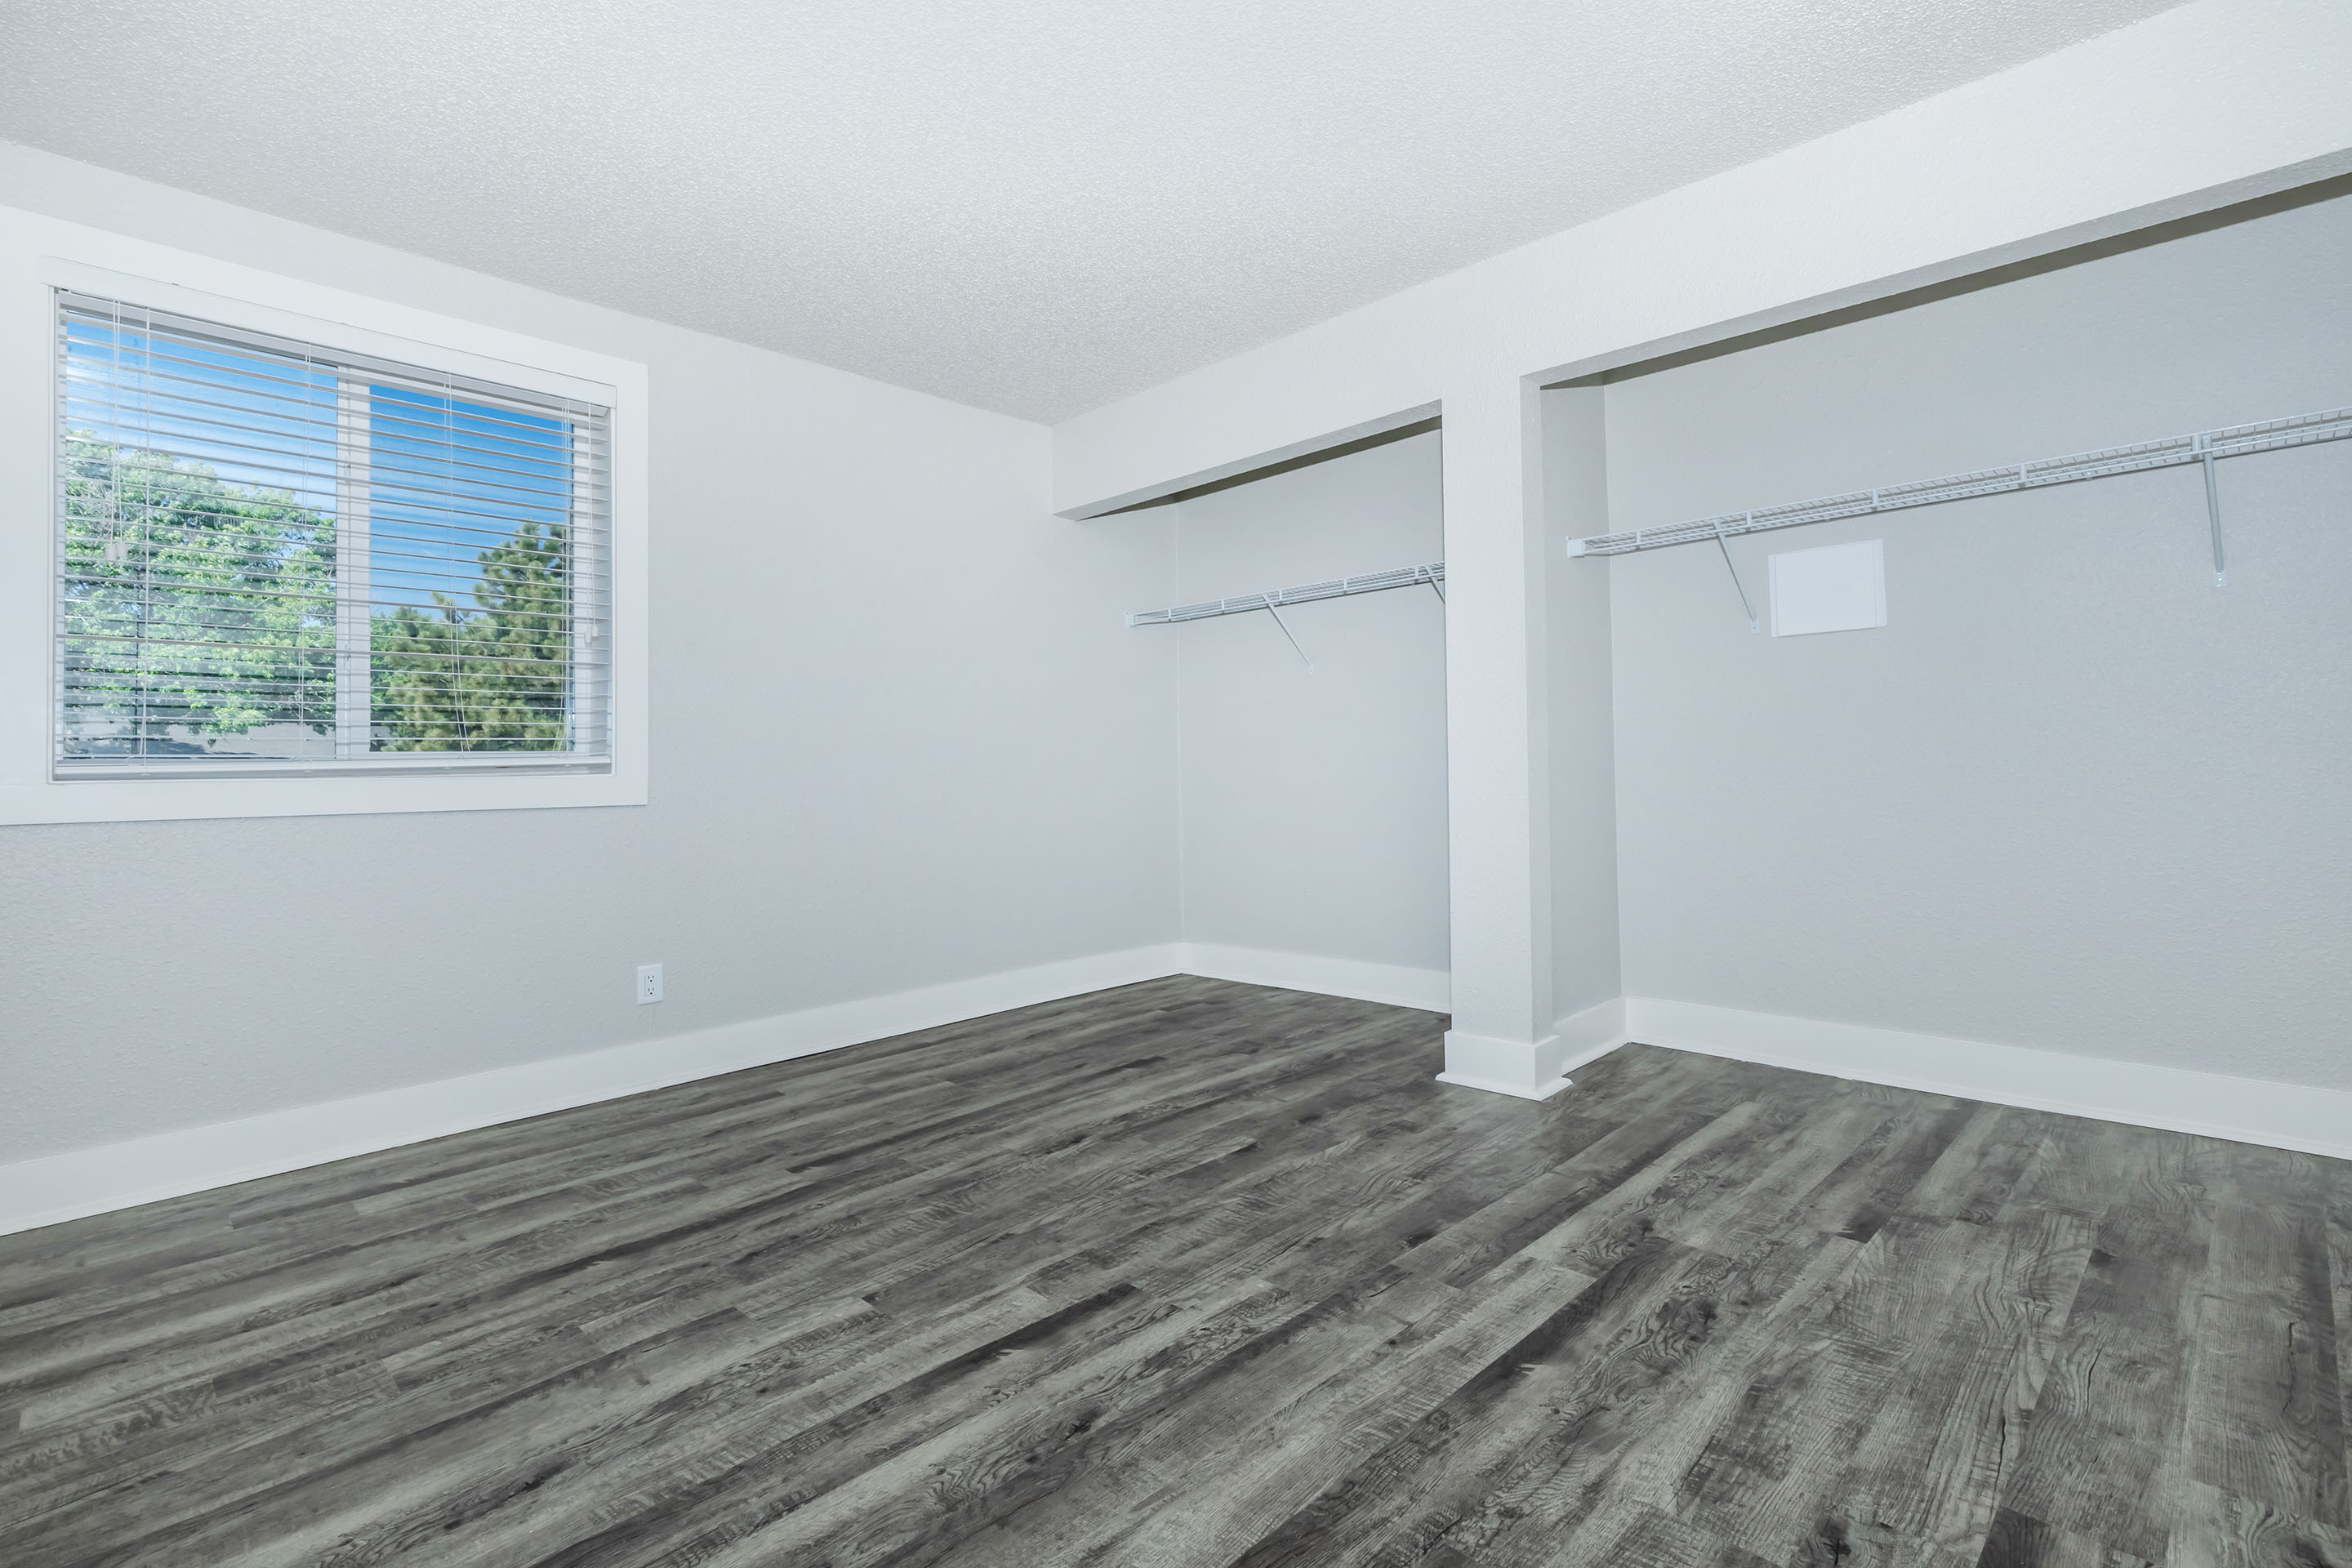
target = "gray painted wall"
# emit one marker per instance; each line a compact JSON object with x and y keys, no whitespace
{"x":2071,"y":796}
{"x":900,"y":738}
{"x":1314,"y":803}
{"x":1580,"y":712}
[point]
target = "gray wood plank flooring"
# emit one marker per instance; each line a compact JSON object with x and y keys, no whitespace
{"x":1197,"y":1273}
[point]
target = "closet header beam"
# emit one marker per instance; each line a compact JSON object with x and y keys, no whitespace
{"x":1434,"y":574}
{"x":2236,"y":441}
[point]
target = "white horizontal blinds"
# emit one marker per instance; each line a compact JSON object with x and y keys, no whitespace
{"x":277,"y":556}
{"x":488,"y":589}
{"x":196,"y":551}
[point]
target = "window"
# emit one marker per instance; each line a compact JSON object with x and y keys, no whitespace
{"x":278,"y":557}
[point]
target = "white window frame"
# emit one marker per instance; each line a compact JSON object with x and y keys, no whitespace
{"x":49,"y":255}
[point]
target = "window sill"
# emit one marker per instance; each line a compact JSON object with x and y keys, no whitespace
{"x":168,"y":798}
{"x":504,"y":765}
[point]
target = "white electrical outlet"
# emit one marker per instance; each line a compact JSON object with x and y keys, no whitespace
{"x":649,"y":984}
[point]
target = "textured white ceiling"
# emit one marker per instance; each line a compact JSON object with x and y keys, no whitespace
{"x":1034,"y":206}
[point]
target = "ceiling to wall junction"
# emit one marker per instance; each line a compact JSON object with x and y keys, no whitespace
{"x":1034,"y":206}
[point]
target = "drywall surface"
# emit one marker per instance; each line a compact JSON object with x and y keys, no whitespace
{"x":1580,"y":715}
{"x":2071,"y":796}
{"x":900,"y":739}
{"x":2209,"y":92}
{"x":1314,"y":801}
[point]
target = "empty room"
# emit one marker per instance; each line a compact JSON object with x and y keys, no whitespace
{"x":1035,"y":784}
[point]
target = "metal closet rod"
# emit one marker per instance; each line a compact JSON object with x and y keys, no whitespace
{"x":2203,"y":447}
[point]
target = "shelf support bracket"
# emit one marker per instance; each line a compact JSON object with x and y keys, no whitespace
{"x":1735,"y":583}
{"x":1293,"y":636}
{"x":2213,"y":510}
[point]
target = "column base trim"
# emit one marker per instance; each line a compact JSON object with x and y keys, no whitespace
{"x":1497,"y":1086}
{"x":1534,"y":1070}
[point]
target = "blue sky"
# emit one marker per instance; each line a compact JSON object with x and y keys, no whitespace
{"x":450,"y":478}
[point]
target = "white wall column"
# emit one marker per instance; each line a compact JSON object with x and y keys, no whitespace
{"x":1587,"y":979}
{"x":1498,"y":753}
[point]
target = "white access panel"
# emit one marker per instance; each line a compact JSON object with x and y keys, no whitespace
{"x":1836,"y":588}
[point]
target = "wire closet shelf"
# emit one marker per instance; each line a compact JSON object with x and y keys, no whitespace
{"x":1433,"y":575}
{"x":2203,"y":447}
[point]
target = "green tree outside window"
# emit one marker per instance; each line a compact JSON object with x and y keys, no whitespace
{"x":196,"y":606}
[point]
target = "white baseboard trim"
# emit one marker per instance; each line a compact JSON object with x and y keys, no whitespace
{"x":2213,"y":1105}
{"x":171,"y":1164}
{"x":83,"y":1182}
{"x":1430,"y":990}
{"x":1592,"y":1034}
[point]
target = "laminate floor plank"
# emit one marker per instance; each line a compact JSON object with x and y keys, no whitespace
{"x":2017,"y":1540}
{"x":1878,"y":1179}
{"x":1920,"y":1489}
{"x":1972,"y":1179}
{"x":1515,"y":1459}
{"x":2339,"y":1187}
{"x":2218,"y":1529}
{"x":2263,"y":1416}
{"x":1197,"y":1273}
{"x":1766,"y":1478}
{"x":1340,"y":1410}
{"x":2101,"y":1454}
